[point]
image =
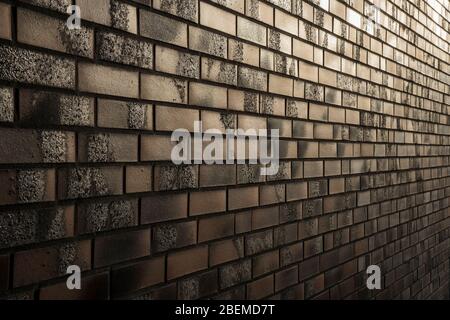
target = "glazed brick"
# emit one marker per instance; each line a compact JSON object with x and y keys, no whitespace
{"x":124,"y":115}
{"x":22,"y":227}
{"x":186,"y":262}
{"x":40,"y":30}
{"x":143,"y":274}
{"x":93,"y":287}
{"x":5,"y":25}
{"x":156,"y":147}
{"x":27,"y":66}
{"x":121,"y":247}
{"x":39,"y":264}
{"x":286,"y":278}
{"x":100,"y":147}
{"x":51,"y":108}
{"x":162,"y":28}
{"x":92,"y":78}
{"x":170,"y":119}
{"x":27,"y":186}
{"x":124,"y":50}
{"x":239,"y":198}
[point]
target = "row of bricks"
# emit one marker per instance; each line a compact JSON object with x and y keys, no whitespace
{"x":225,"y":251}
{"x":225,"y":27}
{"x":65,"y":110}
{"x":34,"y":225}
{"x":145,"y":49}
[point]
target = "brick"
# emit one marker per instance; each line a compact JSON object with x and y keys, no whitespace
{"x":260,"y":288}
{"x":162,"y":28}
{"x":86,"y":182}
{"x":265,"y":263}
{"x":40,"y":264}
{"x":100,"y":147}
{"x":207,"y":42}
{"x":215,"y":18}
{"x":60,"y":5}
{"x":51,"y":108}
{"x":124,"y":115}
{"x":258,"y":242}
{"x":217,"y":175}
{"x":143,"y":274}
{"x":219,"y":71}
{"x":116,"y":248}
{"x":171,"y":236}
{"x":198,"y":205}
{"x":138,"y":178}
{"x":5,"y":18}
{"x":235,"y":5}
{"x":156,"y":147}
{"x":251,"y":31}
{"x":280,"y":85}
{"x":252,"y":79}
{"x":27,"y":186}
{"x":286,"y":22}
{"x":177,"y":62}
{"x":124,"y":50}
{"x":198,"y":286}
{"x":6,"y":105}
{"x":235,"y":273}
{"x":92,"y":78}
{"x":187,"y":9}
{"x":170,"y":119}
{"x":32,"y":67}
{"x":163,"y":208}
{"x":22,"y":227}
{"x":215,"y":227}
{"x":260,"y":11}
{"x":43,"y":31}
{"x":172,"y":177}
{"x":160,"y":88}
{"x":239,"y":198}
{"x":243,"y":52}
{"x":207,"y":96}
{"x":106,"y":215}
{"x":93,"y":287}
{"x":186,"y":262}
{"x":226,"y":251}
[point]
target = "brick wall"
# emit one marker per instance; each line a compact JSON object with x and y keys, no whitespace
{"x":85,"y":171}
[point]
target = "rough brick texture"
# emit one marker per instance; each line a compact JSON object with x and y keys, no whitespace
{"x":360,"y":91}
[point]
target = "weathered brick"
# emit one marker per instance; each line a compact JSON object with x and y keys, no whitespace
{"x":219,"y":71}
{"x":40,"y":30}
{"x":177,"y":62}
{"x":107,"y":147}
{"x":154,"y":87}
{"x":198,"y":286}
{"x":125,"y":50}
{"x":187,"y":9}
{"x":40,"y":264}
{"x":215,"y":18}
{"x":124,"y":115}
{"x":106,"y":215}
{"x":6,"y":105}
{"x":33,"y":67}
{"x":252,"y":79}
{"x":161,"y":28}
{"x":251,"y":31}
{"x":51,"y":108}
{"x":19,"y":227}
{"x":235,"y":273}
{"x":207,"y":42}
{"x":163,"y":208}
{"x":186,"y":262}
{"x":171,"y":236}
